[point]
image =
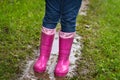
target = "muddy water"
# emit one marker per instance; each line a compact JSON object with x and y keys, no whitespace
{"x":28,"y":73}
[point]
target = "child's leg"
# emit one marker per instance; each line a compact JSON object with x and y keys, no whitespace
{"x":49,"y":23}
{"x":52,"y":14}
{"x":69,"y":12}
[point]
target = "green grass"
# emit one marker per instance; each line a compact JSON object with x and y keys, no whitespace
{"x":20,"y":22}
{"x":101,"y":52}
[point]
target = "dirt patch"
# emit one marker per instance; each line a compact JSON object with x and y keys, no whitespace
{"x":84,"y":7}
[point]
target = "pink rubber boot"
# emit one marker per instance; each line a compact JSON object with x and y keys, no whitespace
{"x":47,"y":37}
{"x":65,"y":43}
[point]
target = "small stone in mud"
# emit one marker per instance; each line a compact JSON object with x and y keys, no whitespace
{"x":87,"y":26}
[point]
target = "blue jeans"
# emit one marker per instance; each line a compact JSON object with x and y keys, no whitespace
{"x":63,"y":11}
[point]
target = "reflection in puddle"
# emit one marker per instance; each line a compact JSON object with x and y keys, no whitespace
{"x":28,"y":73}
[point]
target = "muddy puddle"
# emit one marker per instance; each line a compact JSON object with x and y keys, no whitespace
{"x":28,"y":73}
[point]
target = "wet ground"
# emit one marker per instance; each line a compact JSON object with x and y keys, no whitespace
{"x":28,"y":73}
{"x":84,"y":7}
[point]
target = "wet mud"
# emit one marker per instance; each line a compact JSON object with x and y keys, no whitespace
{"x":29,"y":74}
